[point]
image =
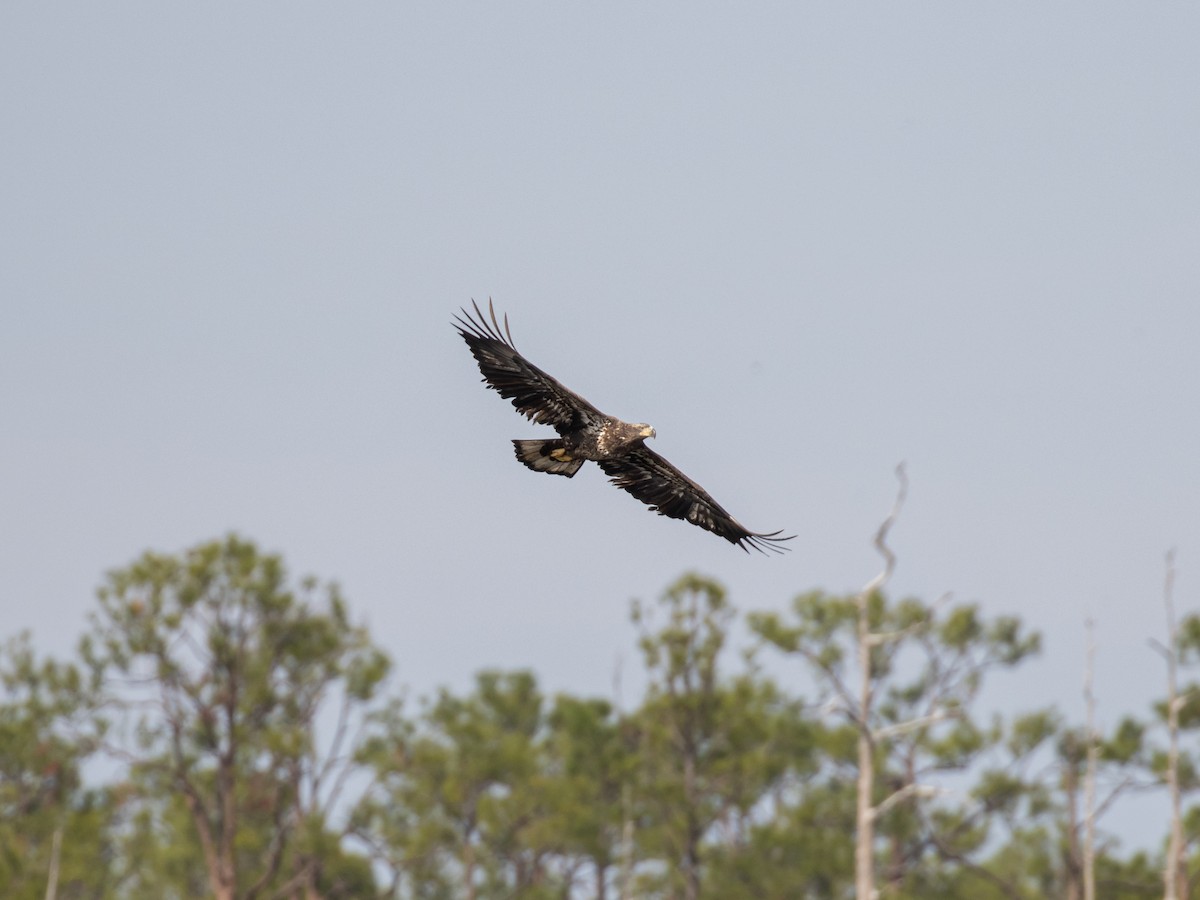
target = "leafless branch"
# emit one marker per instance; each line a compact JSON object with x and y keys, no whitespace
{"x":904,"y":793}
{"x":938,"y":715}
{"x":881,"y":535}
{"x":1103,"y":806}
{"x":841,"y":689}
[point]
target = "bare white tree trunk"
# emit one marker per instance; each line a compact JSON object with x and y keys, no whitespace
{"x":866,"y":811}
{"x":52,"y":879}
{"x":864,"y":847}
{"x":1089,"y":777}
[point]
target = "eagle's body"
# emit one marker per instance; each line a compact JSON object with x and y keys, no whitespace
{"x":608,"y":439}
{"x":585,"y":433}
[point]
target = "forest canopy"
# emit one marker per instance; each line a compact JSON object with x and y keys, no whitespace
{"x":227,"y":730}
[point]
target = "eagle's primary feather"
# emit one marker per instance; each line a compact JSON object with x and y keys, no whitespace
{"x":586,"y":433}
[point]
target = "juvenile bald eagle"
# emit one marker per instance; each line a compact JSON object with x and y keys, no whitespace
{"x":586,"y":433}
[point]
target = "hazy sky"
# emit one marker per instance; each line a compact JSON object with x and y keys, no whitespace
{"x":804,"y":241}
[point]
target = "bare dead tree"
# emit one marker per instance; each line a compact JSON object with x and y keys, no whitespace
{"x":1089,"y":778}
{"x":1174,"y":872}
{"x":865,"y":812}
{"x":901,"y":675}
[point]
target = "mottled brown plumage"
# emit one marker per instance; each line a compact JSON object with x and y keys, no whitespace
{"x":585,"y":433}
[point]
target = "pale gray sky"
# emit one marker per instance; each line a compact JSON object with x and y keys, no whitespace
{"x":804,"y":241}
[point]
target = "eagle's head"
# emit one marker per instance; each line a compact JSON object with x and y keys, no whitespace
{"x":645,"y":430}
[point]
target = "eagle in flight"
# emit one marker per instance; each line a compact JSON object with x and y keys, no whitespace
{"x":585,"y":433}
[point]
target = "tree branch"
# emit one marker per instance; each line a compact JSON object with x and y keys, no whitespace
{"x":909,"y":790}
{"x":881,"y":535}
{"x":938,"y":715}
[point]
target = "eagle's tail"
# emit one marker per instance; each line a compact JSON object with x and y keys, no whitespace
{"x":547,"y":456}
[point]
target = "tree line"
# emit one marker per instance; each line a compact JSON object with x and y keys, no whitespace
{"x":225,"y":730}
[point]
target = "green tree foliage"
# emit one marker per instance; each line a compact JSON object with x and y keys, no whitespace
{"x":926,"y":667}
{"x":47,"y":817}
{"x":715,"y":751}
{"x":591,"y":757}
{"x":466,"y":804}
{"x":218,"y":671}
{"x":1184,"y":648}
{"x":249,"y":751}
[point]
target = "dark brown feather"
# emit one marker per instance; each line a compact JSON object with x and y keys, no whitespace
{"x":656,"y":482}
{"x":534,"y":393}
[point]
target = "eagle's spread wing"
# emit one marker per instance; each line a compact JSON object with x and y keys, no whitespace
{"x":532,"y":391}
{"x":656,"y":482}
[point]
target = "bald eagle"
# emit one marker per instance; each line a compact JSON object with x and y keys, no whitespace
{"x":586,"y":433}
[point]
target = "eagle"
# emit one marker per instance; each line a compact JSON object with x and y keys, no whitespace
{"x":618,"y":448}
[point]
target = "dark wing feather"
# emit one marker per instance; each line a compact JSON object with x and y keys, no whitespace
{"x":534,"y":393}
{"x":656,"y":482}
